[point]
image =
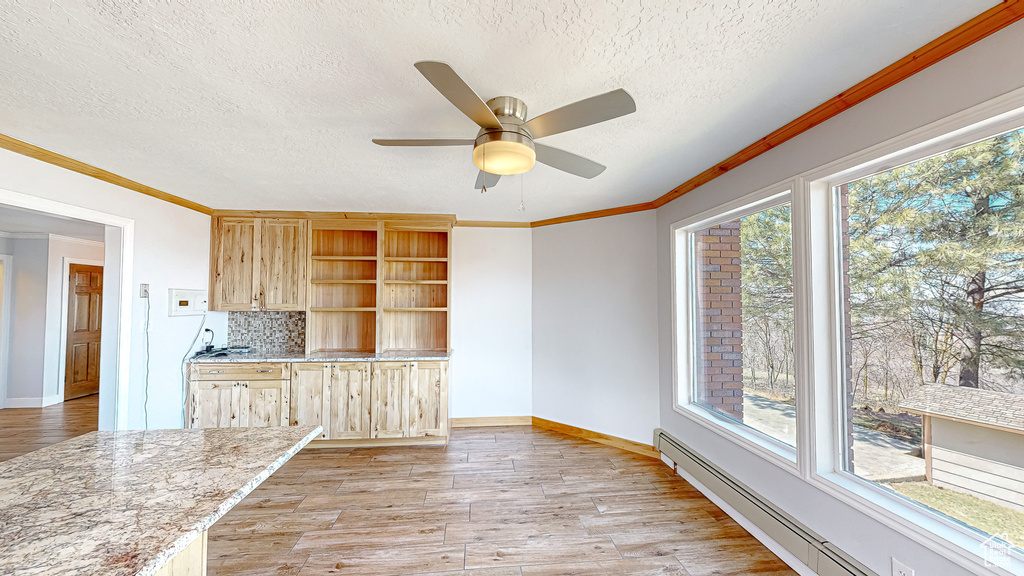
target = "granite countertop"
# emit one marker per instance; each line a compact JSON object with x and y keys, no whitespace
{"x":124,"y":503}
{"x":338,"y":356}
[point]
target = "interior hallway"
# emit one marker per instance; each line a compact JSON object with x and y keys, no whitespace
{"x":23,"y":430}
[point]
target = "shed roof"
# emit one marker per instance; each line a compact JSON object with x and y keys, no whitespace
{"x":985,"y":407}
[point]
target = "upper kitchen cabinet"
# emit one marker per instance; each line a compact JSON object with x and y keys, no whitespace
{"x":258,"y":264}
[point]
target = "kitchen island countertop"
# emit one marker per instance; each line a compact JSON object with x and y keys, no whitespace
{"x":125,"y":503}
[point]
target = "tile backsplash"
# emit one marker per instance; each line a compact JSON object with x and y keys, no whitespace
{"x":268,"y":331}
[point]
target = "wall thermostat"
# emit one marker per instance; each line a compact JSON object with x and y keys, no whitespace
{"x":187,"y":302}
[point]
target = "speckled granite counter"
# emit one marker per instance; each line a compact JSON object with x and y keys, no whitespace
{"x":403,"y":356}
{"x":124,"y":503}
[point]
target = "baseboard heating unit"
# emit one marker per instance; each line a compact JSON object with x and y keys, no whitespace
{"x":812,"y":550}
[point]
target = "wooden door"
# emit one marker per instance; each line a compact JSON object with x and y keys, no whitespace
{"x":349,"y":401}
{"x":85,"y":311}
{"x":263,"y":403}
{"x":428,"y":399}
{"x":214,"y":404}
{"x":234,"y":284}
{"x":309,"y":385}
{"x":282,"y":264}
{"x":389,"y":389}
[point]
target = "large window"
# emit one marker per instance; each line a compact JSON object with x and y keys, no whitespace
{"x":862,"y":327}
{"x":933,"y":306}
{"x":742,"y":319}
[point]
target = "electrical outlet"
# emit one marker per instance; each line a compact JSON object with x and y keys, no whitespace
{"x":143,"y":290}
{"x":901,"y":569}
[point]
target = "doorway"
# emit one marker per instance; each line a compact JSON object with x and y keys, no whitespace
{"x":84,"y":323}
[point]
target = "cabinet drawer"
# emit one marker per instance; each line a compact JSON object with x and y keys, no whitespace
{"x":239,"y":371}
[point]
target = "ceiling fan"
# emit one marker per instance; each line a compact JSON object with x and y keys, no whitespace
{"x":505,"y":143}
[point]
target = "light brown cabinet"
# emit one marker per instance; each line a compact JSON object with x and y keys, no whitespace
{"x":352,"y":400}
{"x":335,"y":396}
{"x":258,"y":264}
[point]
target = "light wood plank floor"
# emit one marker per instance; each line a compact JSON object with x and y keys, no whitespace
{"x":497,"y":501}
{"x":23,"y":430}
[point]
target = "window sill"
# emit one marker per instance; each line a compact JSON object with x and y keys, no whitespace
{"x":946,"y":538}
{"x":753,"y":441}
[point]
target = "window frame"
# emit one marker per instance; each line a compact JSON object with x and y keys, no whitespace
{"x":824,"y":468}
{"x":684,"y":340}
{"x":817,"y":282}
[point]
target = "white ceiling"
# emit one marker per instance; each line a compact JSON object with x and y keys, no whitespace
{"x":18,"y":221}
{"x":271,"y":104}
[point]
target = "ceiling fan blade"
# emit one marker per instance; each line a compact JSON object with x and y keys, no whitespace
{"x":567,"y":161}
{"x":583,"y":113}
{"x":458,"y":93}
{"x":486,"y":179}
{"x":429,"y":142}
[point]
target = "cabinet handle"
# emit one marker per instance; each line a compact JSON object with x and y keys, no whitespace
{"x":214,"y":371}
{"x":264,"y":371}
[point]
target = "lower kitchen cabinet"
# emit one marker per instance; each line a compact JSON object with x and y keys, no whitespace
{"x":428,"y":399}
{"x":351,"y":400}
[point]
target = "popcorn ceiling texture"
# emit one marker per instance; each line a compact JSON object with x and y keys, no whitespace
{"x":268,"y":332}
{"x":271,"y":104}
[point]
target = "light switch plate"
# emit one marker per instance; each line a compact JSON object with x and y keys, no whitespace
{"x":901,"y":569}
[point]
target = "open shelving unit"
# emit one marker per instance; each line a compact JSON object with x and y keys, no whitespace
{"x":343,"y":278}
{"x":378,"y":286}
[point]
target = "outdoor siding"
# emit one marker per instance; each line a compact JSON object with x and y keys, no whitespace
{"x":980,"y":461}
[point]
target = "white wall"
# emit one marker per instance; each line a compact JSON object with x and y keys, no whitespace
{"x":172,"y":247}
{"x":28,"y":323}
{"x":56,"y":316}
{"x":595,"y":325}
{"x":979,"y":73}
{"x":491,"y":299}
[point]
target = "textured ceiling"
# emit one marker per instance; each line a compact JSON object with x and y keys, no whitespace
{"x":19,"y":221}
{"x":271,"y":104}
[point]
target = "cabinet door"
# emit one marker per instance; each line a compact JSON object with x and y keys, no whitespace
{"x":214,"y":404}
{"x":263,"y":403}
{"x":234,"y":283}
{"x":389,"y":396}
{"x":349,"y":401}
{"x":308,"y":387}
{"x":428,"y":399}
{"x":282,"y":265}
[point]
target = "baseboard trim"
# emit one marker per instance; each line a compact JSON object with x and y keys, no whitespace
{"x":601,"y":438}
{"x":492,"y":421}
{"x":377,"y":442}
{"x":33,"y":402}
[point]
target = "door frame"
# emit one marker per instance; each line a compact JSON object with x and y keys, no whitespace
{"x":118,"y":268}
{"x":5,"y":323}
{"x":65,"y":289}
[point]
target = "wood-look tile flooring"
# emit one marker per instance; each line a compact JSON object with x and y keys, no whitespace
{"x":502,"y":501}
{"x":23,"y":430}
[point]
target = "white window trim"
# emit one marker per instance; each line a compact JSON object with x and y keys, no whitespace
{"x":823,"y":463}
{"x":818,"y":311}
{"x":780,"y":453}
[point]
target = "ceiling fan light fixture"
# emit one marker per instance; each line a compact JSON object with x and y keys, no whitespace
{"x":505,"y":153}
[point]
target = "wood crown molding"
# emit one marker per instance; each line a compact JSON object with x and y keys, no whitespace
{"x":312,"y":215}
{"x":490,"y":224}
{"x":42,"y":154}
{"x":968,"y":33}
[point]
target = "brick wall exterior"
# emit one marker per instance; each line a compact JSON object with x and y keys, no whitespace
{"x":844,"y":207}
{"x":720,"y":322}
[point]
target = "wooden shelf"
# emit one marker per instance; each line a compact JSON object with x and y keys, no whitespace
{"x":415,"y":281}
{"x":359,"y":309}
{"x":445,"y":309}
{"x":405,"y":259}
{"x":342,"y":258}
{"x":342,"y":281}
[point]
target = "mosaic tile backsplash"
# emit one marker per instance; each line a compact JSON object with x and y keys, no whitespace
{"x":268,"y":331}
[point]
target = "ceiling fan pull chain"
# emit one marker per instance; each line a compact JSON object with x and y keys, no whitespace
{"x":522,"y":200}
{"x":483,"y":186}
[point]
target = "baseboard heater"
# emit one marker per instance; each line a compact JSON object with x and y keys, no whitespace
{"x":818,"y":554}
